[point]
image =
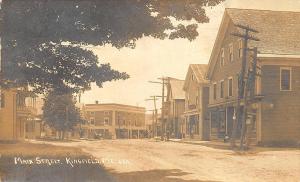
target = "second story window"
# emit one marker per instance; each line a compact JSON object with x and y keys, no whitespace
{"x":230,"y":87}
{"x":106,"y":121}
{"x":240,"y":48}
{"x":215,"y":91}
{"x":285,"y":79}
{"x":231,"y":52}
{"x":222,"y":58}
{"x":222,"y":89}
{"x":92,"y":121}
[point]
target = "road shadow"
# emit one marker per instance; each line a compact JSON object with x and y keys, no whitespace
{"x":168,"y":175}
{"x":9,"y":172}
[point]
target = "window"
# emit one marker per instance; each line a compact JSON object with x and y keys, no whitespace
{"x":92,"y":113}
{"x":240,"y":48}
{"x":2,"y":100}
{"x":230,"y":87}
{"x":106,"y":113}
{"x":231,"y":52}
{"x":285,"y":79}
{"x":92,"y":121}
{"x":197,"y":100}
{"x":193,"y":77}
{"x":215,"y":91}
{"x":222,"y":61}
{"x":106,"y":121}
{"x":221,"y":89}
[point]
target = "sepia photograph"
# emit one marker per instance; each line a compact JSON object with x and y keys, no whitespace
{"x":149,"y":90}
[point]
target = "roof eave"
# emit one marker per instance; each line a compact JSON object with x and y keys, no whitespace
{"x":214,"y":52}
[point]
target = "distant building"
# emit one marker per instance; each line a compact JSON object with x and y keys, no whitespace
{"x":175,"y":107}
{"x":113,"y":121}
{"x":196,"y":89}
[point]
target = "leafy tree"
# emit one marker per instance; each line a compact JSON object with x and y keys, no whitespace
{"x":44,"y":41}
{"x":60,"y":112}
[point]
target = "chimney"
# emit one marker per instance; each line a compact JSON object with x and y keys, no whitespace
{"x":96,"y":102}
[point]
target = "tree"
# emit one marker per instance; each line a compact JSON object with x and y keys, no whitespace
{"x":44,"y":41}
{"x":60,"y":112}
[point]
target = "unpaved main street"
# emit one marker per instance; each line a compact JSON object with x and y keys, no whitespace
{"x":147,"y":160}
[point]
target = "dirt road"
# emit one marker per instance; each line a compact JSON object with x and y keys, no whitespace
{"x":150,"y":161}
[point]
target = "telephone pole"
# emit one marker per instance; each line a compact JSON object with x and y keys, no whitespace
{"x":241,"y":112}
{"x":249,"y":99}
{"x":154,"y":99}
{"x":153,"y":121}
{"x":164,"y":81}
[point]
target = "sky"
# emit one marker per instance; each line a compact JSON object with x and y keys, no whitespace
{"x":154,"y":58}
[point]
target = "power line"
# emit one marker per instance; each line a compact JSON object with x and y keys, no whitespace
{"x":241,"y":113}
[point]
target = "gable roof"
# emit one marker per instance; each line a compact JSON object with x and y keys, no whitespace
{"x":199,"y":71}
{"x":176,"y":87}
{"x":278,"y":31}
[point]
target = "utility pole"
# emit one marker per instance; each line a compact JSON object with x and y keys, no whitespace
{"x":164,"y":81}
{"x":164,"y":127}
{"x":240,"y":115}
{"x":154,"y":99}
{"x":249,"y":99}
{"x":153,"y":121}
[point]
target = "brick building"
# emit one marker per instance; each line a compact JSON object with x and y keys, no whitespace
{"x":113,"y":121}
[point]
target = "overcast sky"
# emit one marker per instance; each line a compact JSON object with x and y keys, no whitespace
{"x":155,"y":58}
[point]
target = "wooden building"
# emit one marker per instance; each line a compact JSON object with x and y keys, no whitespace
{"x":18,"y":117}
{"x":196,"y":100}
{"x":276,"y":115}
{"x":175,"y":107}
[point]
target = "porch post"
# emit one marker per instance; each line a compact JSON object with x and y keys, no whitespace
{"x":259,"y":123}
{"x":210,"y":125}
{"x":226,"y":121}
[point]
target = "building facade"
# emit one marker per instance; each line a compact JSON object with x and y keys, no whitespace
{"x":277,"y":85}
{"x":18,"y":119}
{"x":175,"y":107}
{"x":114,"y":121}
{"x":196,"y":101}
